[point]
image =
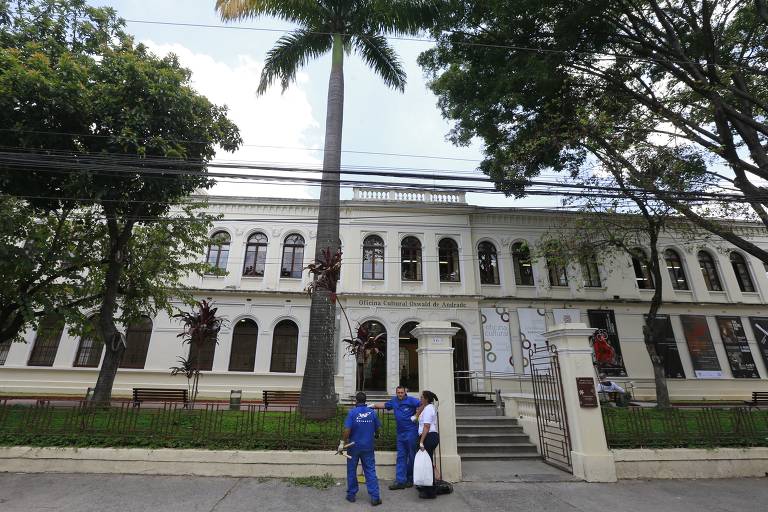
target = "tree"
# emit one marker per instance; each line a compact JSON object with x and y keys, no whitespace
{"x":133,"y":142}
{"x":613,"y":229}
{"x":338,"y":27}
{"x":543,"y":83}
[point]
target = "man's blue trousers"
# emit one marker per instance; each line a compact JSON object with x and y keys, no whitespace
{"x":367,"y":459}
{"x":406,"y":452}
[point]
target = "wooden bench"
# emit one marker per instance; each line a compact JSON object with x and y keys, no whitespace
{"x":758,"y":398}
{"x":159,"y":395}
{"x":280,"y":398}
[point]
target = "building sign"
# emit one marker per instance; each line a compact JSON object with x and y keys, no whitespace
{"x":736,"y":347}
{"x":666,"y":347}
{"x":760,"y":328}
{"x":394,"y":303}
{"x":497,"y":342}
{"x":566,"y":316}
{"x":586,"y":388}
{"x":606,"y":320}
{"x":701,"y":348}
{"x":533,"y":325}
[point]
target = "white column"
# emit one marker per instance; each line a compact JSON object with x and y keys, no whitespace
{"x":393,"y":361}
{"x":590,"y":456}
{"x":436,"y":375}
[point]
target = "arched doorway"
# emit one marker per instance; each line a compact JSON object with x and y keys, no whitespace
{"x":408,"y":361}
{"x":460,"y":360}
{"x":375,"y":370}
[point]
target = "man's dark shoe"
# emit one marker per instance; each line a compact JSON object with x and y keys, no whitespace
{"x":351,"y":499}
{"x":375,"y":502}
{"x":408,"y":484}
{"x":396,"y":486}
{"x":426,"y":496}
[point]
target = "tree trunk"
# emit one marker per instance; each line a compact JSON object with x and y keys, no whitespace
{"x":113,"y":352}
{"x":318,"y":393}
{"x":649,"y":328}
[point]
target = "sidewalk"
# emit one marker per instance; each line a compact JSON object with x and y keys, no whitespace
{"x":135,"y":493}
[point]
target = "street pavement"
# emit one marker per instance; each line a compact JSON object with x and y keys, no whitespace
{"x":28,"y":492}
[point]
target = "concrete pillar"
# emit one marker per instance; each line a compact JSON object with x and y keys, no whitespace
{"x":590,"y":456}
{"x":436,"y":375}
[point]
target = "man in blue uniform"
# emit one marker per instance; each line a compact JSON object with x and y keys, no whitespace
{"x":407,"y":432}
{"x":360,"y":428}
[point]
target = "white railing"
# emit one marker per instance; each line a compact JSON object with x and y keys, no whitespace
{"x":411,"y":195}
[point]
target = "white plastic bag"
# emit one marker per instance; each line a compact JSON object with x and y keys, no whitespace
{"x":422,"y":469}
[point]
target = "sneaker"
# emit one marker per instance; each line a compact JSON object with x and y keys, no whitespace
{"x":395,"y":486}
{"x":351,"y":499}
{"x":375,"y":502}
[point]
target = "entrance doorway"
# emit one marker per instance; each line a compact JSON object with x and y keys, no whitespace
{"x":460,"y":360}
{"x":375,"y":370}
{"x":408,"y":362}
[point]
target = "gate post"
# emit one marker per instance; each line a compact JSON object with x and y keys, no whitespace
{"x":590,"y":456}
{"x":436,"y":375}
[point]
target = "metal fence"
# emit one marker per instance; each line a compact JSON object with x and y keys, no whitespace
{"x":208,"y":425}
{"x":685,"y":428}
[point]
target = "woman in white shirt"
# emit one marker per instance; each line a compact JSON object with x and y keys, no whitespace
{"x":428,"y":437}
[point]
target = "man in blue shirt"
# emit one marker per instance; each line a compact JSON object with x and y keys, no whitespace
{"x":407,"y":432}
{"x":360,"y":428}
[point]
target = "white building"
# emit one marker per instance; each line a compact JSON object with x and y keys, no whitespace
{"x":428,"y":256}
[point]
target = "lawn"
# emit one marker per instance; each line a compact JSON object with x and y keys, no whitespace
{"x":172,"y":426}
{"x":685,"y":428}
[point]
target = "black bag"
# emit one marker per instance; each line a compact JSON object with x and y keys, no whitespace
{"x":443,"y":487}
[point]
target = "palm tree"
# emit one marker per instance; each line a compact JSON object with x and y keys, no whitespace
{"x":338,"y":26}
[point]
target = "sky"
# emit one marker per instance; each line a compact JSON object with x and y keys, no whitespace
{"x":288,"y":128}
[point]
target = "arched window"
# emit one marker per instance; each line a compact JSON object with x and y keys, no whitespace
{"x":675,"y":269}
{"x":643,"y":274}
{"x":255,"y":255}
{"x":90,"y":347}
{"x":375,"y":370}
{"x":242,"y":356}
{"x":137,"y":338}
{"x":741,"y":270}
{"x":409,"y":358}
{"x":709,"y":271}
{"x":285,"y":344}
{"x":293,"y":256}
{"x":591,"y":271}
{"x":557,"y":273}
{"x":448,"y":258}
{"x":410,"y":259}
{"x":521,"y":261}
{"x":5,"y":347}
{"x":218,"y":250}
{"x":373,"y":257}
{"x":201,"y":354}
{"x":489,"y":263}
{"x":47,"y":341}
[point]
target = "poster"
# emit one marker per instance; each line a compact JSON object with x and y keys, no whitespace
{"x":701,"y":348}
{"x":736,"y":347}
{"x":497,"y":342}
{"x":566,"y":316}
{"x":533,"y":325}
{"x":605,"y":319}
{"x":760,"y":329}
{"x":666,"y":347}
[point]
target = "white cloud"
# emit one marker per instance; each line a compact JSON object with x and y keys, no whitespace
{"x":274,"y":119}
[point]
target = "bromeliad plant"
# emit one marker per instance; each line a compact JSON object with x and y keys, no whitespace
{"x":200,"y":326}
{"x":364,"y":346}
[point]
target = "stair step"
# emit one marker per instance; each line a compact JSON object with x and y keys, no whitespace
{"x":501,"y":447}
{"x":492,"y":438}
{"x":474,"y":420}
{"x":489,"y":429}
{"x":500,"y":456}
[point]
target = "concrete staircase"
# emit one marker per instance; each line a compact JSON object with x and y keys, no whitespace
{"x":484,"y":436}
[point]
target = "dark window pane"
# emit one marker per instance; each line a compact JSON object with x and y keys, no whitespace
{"x":137,"y":338}
{"x":741,"y":270}
{"x":709,"y":271}
{"x":90,"y":348}
{"x":293,"y":257}
{"x":675,"y":269}
{"x":448,"y":257}
{"x":47,"y":341}
{"x":643,"y":275}
{"x":218,"y":250}
{"x":591,"y":272}
{"x":521,"y":261}
{"x":557,"y":274}
{"x":255,"y":255}
{"x":201,"y":355}
{"x":373,"y":257}
{"x":242,"y":357}
{"x":488,"y":263}
{"x":410,"y":259}
{"x":285,"y":344}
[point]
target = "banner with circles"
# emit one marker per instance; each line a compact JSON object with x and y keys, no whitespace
{"x":533,"y":325}
{"x":497,"y":342}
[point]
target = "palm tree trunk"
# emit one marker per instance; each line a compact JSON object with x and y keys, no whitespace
{"x":318,"y":393}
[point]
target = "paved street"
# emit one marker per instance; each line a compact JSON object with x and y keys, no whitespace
{"x":134,"y":493}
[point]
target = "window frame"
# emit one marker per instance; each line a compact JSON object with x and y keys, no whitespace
{"x":146,"y":338}
{"x":44,"y":351}
{"x":557,"y":274}
{"x":220,"y":263}
{"x":451,"y":255}
{"x":87,"y":361}
{"x":708,"y":273}
{"x":296,"y":248}
{"x":257,"y":252}
{"x":492,"y":258}
{"x":290,"y":354}
{"x":411,"y":259}
{"x":676,"y":270}
{"x":642,"y":270}
{"x":522,"y":264}
{"x":742,"y":273}
{"x":590,"y":272}
{"x":243,"y":360}
{"x":377,"y":253}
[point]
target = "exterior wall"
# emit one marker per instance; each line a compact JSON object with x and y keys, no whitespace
{"x":391,"y":301}
{"x":691,"y":463}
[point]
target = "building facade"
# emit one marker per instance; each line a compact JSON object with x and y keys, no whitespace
{"x":411,"y":256}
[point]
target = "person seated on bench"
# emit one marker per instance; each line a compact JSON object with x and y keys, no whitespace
{"x":608,"y":387}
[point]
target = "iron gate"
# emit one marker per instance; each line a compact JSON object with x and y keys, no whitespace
{"x":551,"y":417}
